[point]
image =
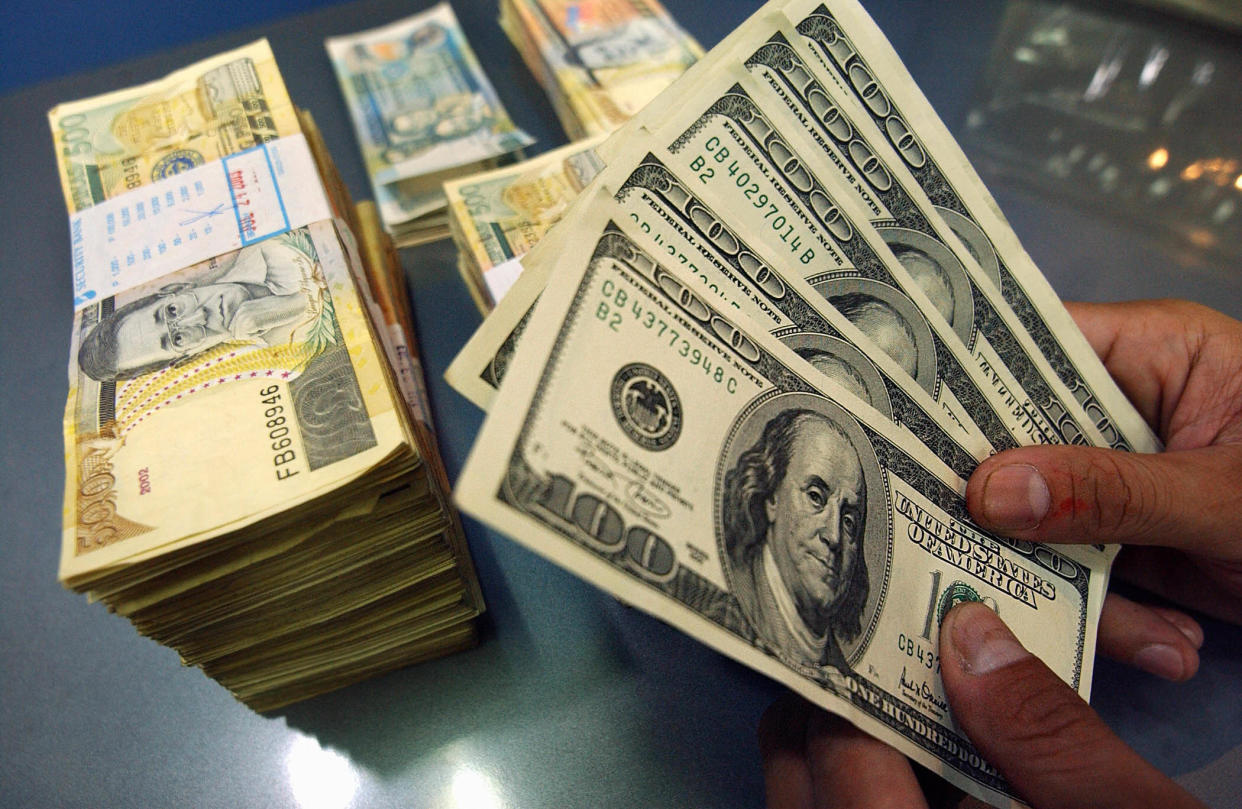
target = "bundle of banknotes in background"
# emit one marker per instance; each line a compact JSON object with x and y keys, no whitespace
{"x":741,"y":383}
{"x":251,"y":476}
{"x":424,"y":112}
{"x":599,"y":61}
{"x":497,"y":216}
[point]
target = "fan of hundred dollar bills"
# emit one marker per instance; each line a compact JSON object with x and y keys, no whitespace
{"x":251,"y":478}
{"x":741,"y":383}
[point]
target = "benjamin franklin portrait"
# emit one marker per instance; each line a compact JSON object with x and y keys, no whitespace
{"x":798,"y":494}
{"x":938,"y":273}
{"x":889,"y":319}
{"x":845,"y":365}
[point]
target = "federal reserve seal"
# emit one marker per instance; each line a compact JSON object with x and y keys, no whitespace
{"x":646,"y":406}
{"x":176,"y":162}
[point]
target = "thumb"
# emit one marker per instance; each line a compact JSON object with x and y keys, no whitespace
{"x":1035,"y":729}
{"x":1087,"y":494}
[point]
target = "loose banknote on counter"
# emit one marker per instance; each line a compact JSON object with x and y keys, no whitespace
{"x":742,"y":381}
{"x":600,"y":61}
{"x":251,"y":478}
{"x":424,"y":112}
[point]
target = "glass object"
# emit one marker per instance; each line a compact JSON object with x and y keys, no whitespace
{"x":1135,"y":117}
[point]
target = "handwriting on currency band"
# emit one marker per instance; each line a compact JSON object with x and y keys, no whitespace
{"x":219,"y":108}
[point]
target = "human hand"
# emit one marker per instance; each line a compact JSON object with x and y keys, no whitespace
{"x":1179,"y":512}
{"x":1047,"y":743}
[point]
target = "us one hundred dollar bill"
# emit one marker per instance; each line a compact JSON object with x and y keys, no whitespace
{"x":844,"y":44}
{"x":733,"y":157}
{"x":834,"y":137}
{"x":702,"y":252}
{"x":697,"y":242}
{"x":838,"y":117}
{"x":744,"y":160}
{"x":823,"y":546}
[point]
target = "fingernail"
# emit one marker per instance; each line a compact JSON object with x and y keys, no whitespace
{"x":1015,"y":497}
{"x":1160,"y":660}
{"x":981,"y":640}
{"x":1188,"y":627}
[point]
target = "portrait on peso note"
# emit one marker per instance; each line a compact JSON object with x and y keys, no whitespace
{"x":173,"y":363}
{"x":266,"y":295}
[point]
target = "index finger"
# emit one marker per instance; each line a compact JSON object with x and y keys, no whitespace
{"x":1147,"y":346}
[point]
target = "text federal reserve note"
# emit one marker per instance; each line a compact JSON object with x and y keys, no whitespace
{"x":845,"y":46}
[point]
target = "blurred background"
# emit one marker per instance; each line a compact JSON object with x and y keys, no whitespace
{"x":1129,"y":108}
{"x":41,"y":40}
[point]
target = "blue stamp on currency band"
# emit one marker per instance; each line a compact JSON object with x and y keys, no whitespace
{"x":176,"y":162}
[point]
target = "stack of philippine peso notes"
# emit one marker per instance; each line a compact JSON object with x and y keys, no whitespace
{"x":251,"y":478}
{"x":424,"y":112}
{"x":497,"y":216}
{"x":599,"y":61}
{"x":742,"y":382}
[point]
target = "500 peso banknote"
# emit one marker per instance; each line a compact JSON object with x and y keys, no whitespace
{"x":111,"y":144}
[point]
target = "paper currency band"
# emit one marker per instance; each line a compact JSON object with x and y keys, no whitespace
{"x":192,"y":215}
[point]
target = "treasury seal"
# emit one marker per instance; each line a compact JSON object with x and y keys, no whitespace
{"x":955,"y":594}
{"x":176,"y":162}
{"x":646,"y":406}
